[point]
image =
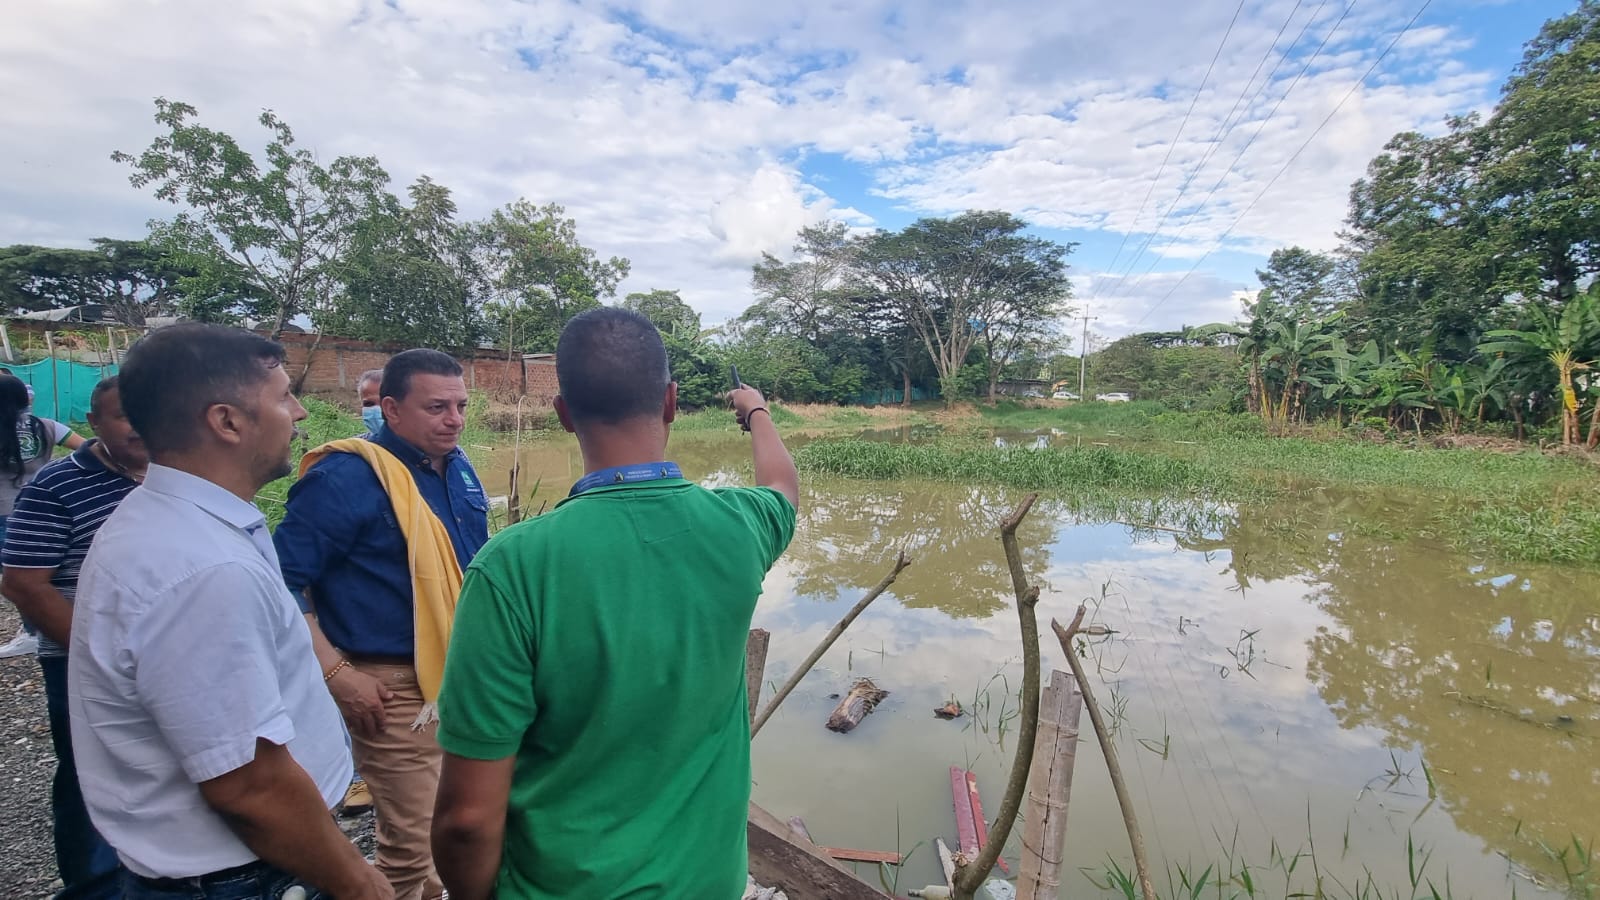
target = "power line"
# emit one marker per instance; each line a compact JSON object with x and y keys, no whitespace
{"x":1224,"y":130}
{"x":1173,"y":145}
{"x":1261,"y":126}
{"x":1340,"y":105}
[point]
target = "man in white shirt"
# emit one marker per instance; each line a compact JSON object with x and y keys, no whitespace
{"x":208,"y":749}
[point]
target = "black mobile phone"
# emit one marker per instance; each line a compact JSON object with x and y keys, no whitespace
{"x":734,"y":372}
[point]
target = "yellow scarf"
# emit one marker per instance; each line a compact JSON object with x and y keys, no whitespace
{"x":435,"y":573}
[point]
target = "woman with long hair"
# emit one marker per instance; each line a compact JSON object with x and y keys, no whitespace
{"x":27,"y":442}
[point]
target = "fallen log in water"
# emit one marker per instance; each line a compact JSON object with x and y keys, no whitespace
{"x":863,"y":698}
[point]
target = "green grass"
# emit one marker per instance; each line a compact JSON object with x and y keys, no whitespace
{"x":324,"y":422}
{"x":711,"y":420}
{"x":1520,"y":506}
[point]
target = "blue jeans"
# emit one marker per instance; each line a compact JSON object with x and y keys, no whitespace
{"x":256,"y":881}
{"x":88,"y":866}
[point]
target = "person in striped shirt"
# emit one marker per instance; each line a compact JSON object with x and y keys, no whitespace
{"x":48,"y":533}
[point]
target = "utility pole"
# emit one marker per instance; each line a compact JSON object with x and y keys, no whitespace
{"x":1083,"y":357}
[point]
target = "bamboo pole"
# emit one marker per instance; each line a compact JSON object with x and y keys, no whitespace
{"x":1118,"y":783}
{"x":970,"y":877}
{"x":900,"y":563}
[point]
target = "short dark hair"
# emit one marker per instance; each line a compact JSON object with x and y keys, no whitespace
{"x":611,"y":366}
{"x":105,"y":386}
{"x":173,"y":374}
{"x":398,"y":370}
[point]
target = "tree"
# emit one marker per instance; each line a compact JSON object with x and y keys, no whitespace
{"x":1418,"y":242}
{"x":1541,"y":178}
{"x":281,"y":229}
{"x":665,"y":309}
{"x":1567,"y":345}
{"x":812,"y":296}
{"x":410,"y":277}
{"x":948,"y":278}
{"x":132,"y":279}
{"x":1300,"y":281}
{"x":539,"y":276}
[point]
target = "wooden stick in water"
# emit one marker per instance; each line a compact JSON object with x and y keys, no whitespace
{"x":900,"y":563}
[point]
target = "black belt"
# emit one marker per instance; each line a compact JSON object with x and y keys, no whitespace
{"x":210,"y":879}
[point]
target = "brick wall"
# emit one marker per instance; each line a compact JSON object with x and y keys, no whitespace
{"x":335,"y":364}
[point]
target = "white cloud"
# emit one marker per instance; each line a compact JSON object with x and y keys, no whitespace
{"x":677,"y":132}
{"x":1158,"y":301}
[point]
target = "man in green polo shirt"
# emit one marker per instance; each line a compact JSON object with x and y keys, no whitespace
{"x":593,"y":713}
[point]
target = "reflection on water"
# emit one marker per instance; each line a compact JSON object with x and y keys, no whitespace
{"x":1285,"y":676}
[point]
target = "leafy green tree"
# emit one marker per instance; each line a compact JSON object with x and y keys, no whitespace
{"x":1541,"y":176}
{"x":410,"y":277}
{"x":1300,"y":281}
{"x":665,"y":309}
{"x":280,"y":228}
{"x":1418,"y":240}
{"x":132,"y":279}
{"x":949,"y":278}
{"x":539,"y":275}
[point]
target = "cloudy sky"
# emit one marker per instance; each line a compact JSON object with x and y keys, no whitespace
{"x":691,"y":135}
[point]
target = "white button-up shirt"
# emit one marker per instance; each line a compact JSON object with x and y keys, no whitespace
{"x":186,"y":648}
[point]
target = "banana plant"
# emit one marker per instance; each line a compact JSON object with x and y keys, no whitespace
{"x":1567,"y":344}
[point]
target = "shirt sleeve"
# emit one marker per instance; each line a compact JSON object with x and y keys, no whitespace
{"x":769,"y":514}
{"x":322,"y":520}
{"x":205,"y":662}
{"x":58,"y":431}
{"x":487,"y":703}
{"x":38,"y":531}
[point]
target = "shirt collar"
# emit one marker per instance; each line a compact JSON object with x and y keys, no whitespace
{"x":208,"y":495}
{"x":403,"y":450}
{"x":84,"y":457}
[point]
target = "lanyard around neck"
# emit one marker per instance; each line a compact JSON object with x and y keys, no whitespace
{"x":655,"y":471}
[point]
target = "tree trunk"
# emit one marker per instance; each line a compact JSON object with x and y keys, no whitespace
{"x":1253,"y":388}
{"x":1594,"y":426}
{"x":905,"y":396}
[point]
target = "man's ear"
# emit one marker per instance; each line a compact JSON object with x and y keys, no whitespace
{"x":390,"y":407}
{"x":564,"y":415}
{"x":669,"y":409}
{"x":225,"y":422}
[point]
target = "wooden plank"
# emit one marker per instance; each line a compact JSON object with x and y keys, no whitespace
{"x":1044,"y":823}
{"x":966,"y":828}
{"x":850,"y":854}
{"x":947,"y":863}
{"x":980,"y":823}
{"x":755,"y":667}
{"x":780,"y":859}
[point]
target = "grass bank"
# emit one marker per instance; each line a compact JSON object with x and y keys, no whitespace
{"x":1522,"y":505}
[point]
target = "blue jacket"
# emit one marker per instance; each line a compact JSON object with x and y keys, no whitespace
{"x":340,"y":539}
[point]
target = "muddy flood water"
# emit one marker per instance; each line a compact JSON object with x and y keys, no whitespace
{"x":1277,"y":688}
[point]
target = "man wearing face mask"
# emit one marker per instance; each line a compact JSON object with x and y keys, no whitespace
{"x":374,"y":538}
{"x":367,"y":393}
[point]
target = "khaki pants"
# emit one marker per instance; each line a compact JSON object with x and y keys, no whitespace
{"x":401,"y":767}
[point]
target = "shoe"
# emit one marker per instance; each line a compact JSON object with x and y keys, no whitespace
{"x":357,"y":800}
{"x":24,"y":644}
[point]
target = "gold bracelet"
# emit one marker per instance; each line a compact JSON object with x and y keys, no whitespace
{"x":341,"y":664}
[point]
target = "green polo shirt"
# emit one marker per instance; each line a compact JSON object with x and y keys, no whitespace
{"x":603,"y":645}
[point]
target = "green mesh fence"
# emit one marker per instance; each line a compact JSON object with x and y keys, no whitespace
{"x":61,"y":389}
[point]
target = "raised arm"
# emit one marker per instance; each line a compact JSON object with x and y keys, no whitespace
{"x":774,"y":466}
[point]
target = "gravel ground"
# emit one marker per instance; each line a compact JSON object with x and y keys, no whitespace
{"x":27,"y":763}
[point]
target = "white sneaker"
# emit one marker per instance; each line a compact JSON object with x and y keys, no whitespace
{"x":24,"y":644}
